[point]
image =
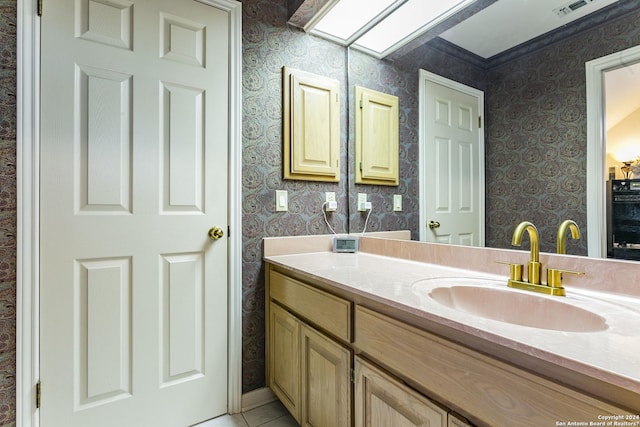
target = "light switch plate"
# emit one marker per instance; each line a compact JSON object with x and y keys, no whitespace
{"x":282,"y":201}
{"x":397,"y":202}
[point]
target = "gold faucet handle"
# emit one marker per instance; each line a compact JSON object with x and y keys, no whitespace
{"x":554,"y":276}
{"x":515,"y":270}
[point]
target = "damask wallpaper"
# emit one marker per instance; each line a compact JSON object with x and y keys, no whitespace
{"x":536,"y":151}
{"x":535,"y":147}
{"x":7,"y":212}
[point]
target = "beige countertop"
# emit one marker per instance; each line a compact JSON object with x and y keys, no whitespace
{"x":610,"y":356}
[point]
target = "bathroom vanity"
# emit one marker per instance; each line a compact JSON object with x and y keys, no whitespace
{"x":376,"y":338}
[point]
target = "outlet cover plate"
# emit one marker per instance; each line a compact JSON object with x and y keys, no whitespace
{"x":330,"y":196}
{"x":362,"y":199}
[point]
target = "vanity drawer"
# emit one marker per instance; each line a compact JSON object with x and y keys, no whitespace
{"x":328,"y":312}
{"x":488,"y":391}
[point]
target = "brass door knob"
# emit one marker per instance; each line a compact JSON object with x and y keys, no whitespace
{"x":215,"y":233}
{"x":434,"y":224}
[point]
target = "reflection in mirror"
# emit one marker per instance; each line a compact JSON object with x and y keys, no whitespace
{"x":451,"y":162}
{"x":622,"y":142}
{"x":622,"y":121}
{"x":536,"y":124}
{"x":597,"y":175}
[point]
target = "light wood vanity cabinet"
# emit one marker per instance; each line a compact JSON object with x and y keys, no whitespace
{"x":284,"y":358}
{"x":309,"y":371}
{"x":488,"y":391}
{"x":399,"y":370}
{"x":382,"y":401}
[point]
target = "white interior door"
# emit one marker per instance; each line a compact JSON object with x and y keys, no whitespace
{"x":451,"y":162}
{"x":134,"y":147}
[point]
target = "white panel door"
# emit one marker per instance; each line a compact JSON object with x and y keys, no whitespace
{"x":134,"y":148}
{"x":452,"y":188}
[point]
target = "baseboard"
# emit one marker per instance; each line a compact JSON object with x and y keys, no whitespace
{"x":258,"y":397}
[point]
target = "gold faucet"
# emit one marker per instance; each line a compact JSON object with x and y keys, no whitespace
{"x":554,"y":275}
{"x":562,"y":233}
{"x":534,"y":266}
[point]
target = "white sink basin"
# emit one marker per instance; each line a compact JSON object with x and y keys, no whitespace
{"x":511,"y":306}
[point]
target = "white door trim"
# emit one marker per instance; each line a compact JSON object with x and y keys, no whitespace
{"x":596,"y":146}
{"x":425,"y":76}
{"x":28,"y":233}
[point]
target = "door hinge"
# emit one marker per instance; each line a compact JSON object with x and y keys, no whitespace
{"x":38,"y":394}
{"x":352,"y":374}
{"x":228,"y":231}
{"x":361,"y":104}
{"x":479,"y":122}
{"x":39,"y":7}
{"x":360,"y":166}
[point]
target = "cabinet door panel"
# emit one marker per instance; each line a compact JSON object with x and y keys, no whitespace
{"x":326,"y":382}
{"x":382,"y":401}
{"x":377,"y":141}
{"x":284,"y":356}
{"x":311,"y":108}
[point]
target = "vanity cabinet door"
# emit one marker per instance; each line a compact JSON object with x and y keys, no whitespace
{"x":326,"y":385}
{"x":454,"y":420}
{"x":382,"y":401}
{"x":284,"y":357}
{"x":308,"y":371}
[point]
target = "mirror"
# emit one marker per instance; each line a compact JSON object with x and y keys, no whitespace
{"x":596,"y":130}
{"x":536,"y":151}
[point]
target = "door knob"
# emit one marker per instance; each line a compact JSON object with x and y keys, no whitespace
{"x":434,"y":224}
{"x":215,"y":233}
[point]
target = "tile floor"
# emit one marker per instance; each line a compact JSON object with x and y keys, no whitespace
{"x":270,"y":415}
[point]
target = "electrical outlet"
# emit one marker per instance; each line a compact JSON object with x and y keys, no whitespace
{"x":282,"y":201}
{"x":330,"y":201}
{"x":397,"y":202}
{"x":362,"y":202}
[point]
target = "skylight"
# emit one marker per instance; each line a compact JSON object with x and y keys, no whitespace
{"x":382,"y":26}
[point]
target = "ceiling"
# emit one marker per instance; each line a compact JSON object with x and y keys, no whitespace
{"x":386,"y":28}
{"x":488,"y":28}
{"x":508,"y":23}
{"x":513,"y":22}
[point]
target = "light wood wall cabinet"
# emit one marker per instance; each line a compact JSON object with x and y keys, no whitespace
{"x":404,"y":375}
{"x":377,"y":138}
{"x":309,"y":371}
{"x":311,"y":126}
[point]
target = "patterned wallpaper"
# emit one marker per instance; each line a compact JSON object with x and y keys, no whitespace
{"x":7,"y":212}
{"x":536,"y":132}
{"x":268,"y":44}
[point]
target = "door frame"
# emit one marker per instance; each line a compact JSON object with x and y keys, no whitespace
{"x":425,"y":76}
{"x":597,"y":147}
{"x":28,"y":193}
